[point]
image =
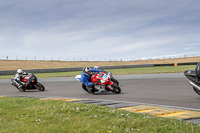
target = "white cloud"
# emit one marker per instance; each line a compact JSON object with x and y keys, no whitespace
{"x":186,"y":48}
{"x":78,"y":29}
{"x":193,"y":44}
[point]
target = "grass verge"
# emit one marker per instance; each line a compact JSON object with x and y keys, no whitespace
{"x":149,"y":70}
{"x":144,"y":70}
{"x":47,"y":116}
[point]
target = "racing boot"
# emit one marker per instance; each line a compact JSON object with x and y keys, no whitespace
{"x":21,"y":88}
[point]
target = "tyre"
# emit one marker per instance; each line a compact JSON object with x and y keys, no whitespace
{"x":84,"y":87}
{"x":115,"y":81}
{"x":116,"y":89}
{"x":196,"y":90}
{"x":88,"y":89}
{"x":40,"y":87}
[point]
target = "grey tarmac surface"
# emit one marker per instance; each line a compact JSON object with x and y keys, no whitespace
{"x":171,"y":89}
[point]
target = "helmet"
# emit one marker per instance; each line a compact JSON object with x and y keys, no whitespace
{"x":87,"y":70}
{"x":19,"y":71}
{"x":96,"y":67}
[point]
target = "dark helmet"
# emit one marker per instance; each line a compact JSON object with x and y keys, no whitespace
{"x":87,"y":70}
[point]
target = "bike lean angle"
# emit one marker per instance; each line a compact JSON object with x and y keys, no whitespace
{"x":31,"y":83}
{"x":194,"y":78}
{"x":104,"y":83}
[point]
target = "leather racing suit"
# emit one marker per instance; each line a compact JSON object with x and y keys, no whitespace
{"x":17,"y":80}
{"x":86,"y":79}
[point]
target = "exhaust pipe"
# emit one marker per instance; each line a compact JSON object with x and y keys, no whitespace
{"x":194,"y":85}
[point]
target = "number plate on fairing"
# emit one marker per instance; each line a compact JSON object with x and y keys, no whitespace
{"x":105,"y":76}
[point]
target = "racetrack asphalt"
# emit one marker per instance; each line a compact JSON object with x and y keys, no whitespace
{"x":170,"y":89}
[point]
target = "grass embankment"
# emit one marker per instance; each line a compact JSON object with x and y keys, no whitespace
{"x":22,"y":64}
{"x":144,"y":70}
{"x":45,"y":116}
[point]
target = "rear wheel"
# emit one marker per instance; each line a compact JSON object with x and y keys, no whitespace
{"x":40,"y":87}
{"x":116,"y":89}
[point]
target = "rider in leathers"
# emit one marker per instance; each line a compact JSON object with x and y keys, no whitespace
{"x":17,"y":80}
{"x":86,"y":74}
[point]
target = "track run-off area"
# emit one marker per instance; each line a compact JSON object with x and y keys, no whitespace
{"x":163,"y":95}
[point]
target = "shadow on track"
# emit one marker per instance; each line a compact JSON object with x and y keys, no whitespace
{"x":106,"y":93}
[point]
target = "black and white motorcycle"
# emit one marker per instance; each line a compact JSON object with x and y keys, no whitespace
{"x":194,"y":78}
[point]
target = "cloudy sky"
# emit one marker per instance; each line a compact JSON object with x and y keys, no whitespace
{"x":98,"y":29}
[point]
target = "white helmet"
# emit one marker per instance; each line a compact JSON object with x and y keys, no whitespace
{"x":87,"y":70}
{"x":19,"y":71}
{"x":96,"y":67}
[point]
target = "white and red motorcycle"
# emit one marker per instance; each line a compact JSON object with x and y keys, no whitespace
{"x":104,"y":83}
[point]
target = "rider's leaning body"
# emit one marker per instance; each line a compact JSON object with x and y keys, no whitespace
{"x":85,"y":77}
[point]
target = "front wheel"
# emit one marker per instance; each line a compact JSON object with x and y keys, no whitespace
{"x":196,"y":90}
{"x":40,"y":87}
{"x":116,"y":89}
{"x":84,"y":87}
{"x":115,"y":81}
{"x":88,"y":89}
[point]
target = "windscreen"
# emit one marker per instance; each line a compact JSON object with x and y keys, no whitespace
{"x":101,"y":75}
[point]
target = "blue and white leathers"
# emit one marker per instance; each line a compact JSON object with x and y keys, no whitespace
{"x":86,"y":79}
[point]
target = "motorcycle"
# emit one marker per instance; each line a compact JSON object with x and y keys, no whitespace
{"x":103,"y":81}
{"x":113,"y":79}
{"x":194,"y":78}
{"x":30,"y":83}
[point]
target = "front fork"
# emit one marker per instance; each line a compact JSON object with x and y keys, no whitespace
{"x":109,"y":86}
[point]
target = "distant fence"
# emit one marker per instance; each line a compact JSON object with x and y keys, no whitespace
{"x":12,"y":72}
{"x":93,"y":59}
{"x":178,"y":64}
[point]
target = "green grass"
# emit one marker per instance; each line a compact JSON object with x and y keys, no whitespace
{"x":144,"y":70}
{"x":32,"y":115}
{"x":149,"y":70}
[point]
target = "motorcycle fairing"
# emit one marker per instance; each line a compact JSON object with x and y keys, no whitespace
{"x":25,"y":79}
{"x":103,"y":77}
